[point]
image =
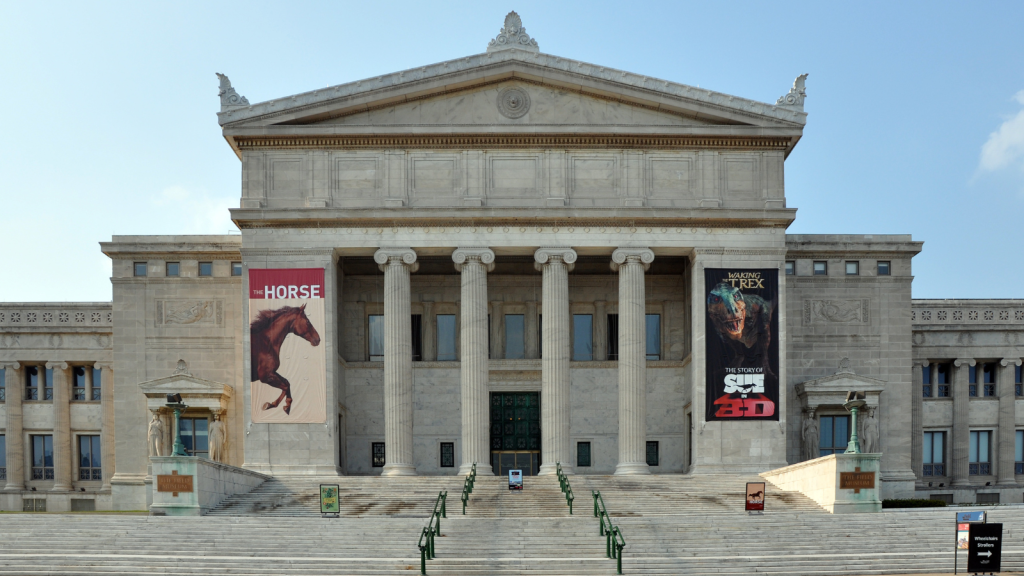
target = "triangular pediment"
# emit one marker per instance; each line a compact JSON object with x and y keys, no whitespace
{"x":184,"y":384}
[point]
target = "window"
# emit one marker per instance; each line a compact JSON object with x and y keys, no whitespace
{"x":376,"y":331}
{"x":447,"y":454}
{"x":206,"y":268}
{"x":790,"y":268}
{"x":988,"y":498}
{"x":583,"y":454}
{"x":78,"y":383}
{"x":980,"y":458}
{"x":97,"y":382}
{"x":934,"y":454}
{"x":173,"y":269}
{"x":89,"y":458}
{"x":820,"y":268}
{"x":515,"y":336}
{"x":140,"y":268}
{"x":972,"y":380}
{"x":988,"y":379}
{"x":195,"y":436}
{"x":446,"y":338}
{"x":652,"y":453}
{"x":3,"y":457}
{"x":3,"y":385}
{"x":883,"y":268}
{"x":613,"y":336}
{"x":653,"y":336}
{"x":1018,"y":389}
{"x":236,"y":268}
{"x":835,"y":435}
{"x":583,"y":337}
{"x":42,"y":457}
{"x":417,"y":337}
{"x":48,"y":384}
{"x":852,"y":268}
{"x":377,"y":449}
{"x":926,"y":381}
{"x":1018,"y":451}
{"x":944,"y":379}
{"x":31,"y":383}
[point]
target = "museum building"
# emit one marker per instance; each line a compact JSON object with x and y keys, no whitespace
{"x":516,"y":260}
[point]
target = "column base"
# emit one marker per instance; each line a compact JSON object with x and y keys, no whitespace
{"x":61,"y":488}
{"x":552,"y":470}
{"x":481,"y":470}
{"x":398,"y":470}
{"x":632,"y":468}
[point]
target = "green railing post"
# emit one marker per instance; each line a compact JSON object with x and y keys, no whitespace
{"x":423,"y":561}
{"x":444,"y":505}
{"x":596,"y":494}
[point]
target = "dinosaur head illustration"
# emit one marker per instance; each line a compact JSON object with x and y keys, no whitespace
{"x":728,"y":310}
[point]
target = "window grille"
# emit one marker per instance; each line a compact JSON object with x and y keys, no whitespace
{"x":652,"y":453}
{"x":583,"y":454}
{"x":447,"y":454}
{"x":378,"y":454}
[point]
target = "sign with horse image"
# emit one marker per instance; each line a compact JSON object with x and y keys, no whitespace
{"x":288,"y":363}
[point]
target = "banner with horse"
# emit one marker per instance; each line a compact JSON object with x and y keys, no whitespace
{"x":289,"y":369}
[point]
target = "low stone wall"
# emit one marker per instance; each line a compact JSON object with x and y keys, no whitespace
{"x":819,"y":480}
{"x":212,"y":482}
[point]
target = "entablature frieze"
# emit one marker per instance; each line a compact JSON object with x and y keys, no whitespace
{"x":173,"y":256}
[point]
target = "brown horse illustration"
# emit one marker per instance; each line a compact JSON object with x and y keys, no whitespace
{"x":268,"y":332}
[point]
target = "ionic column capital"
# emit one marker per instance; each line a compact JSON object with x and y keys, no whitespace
{"x":385,"y":257}
{"x":1010,"y":361}
{"x":473,"y":254}
{"x":961,"y":361}
{"x":11,"y":365}
{"x":52,"y":365}
{"x":632,"y":254}
{"x":104,"y":365}
{"x":548,"y":255}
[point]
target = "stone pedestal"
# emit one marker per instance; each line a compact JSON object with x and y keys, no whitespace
{"x":204,"y":484}
{"x":62,"y":448}
{"x":397,"y":264}
{"x":556,"y":264}
{"x":631,"y":264}
{"x":474,"y":264}
{"x":13,"y":427}
{"x":822,"y":480}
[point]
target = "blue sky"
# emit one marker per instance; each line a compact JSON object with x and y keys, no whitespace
{"x":916,"y":112}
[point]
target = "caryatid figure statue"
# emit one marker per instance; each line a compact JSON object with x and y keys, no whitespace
{"x":218,"y":439}
{"x":156,"y":436}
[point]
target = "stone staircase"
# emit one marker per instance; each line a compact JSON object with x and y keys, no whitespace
{"x":491,"y":498}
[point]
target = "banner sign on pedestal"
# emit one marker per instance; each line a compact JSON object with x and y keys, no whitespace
{"x":515,"y":479}
{"x":741,"y":330}
{"x":289,"y":366}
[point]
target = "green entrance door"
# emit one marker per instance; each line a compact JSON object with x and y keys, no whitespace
{"x":515,"y":432}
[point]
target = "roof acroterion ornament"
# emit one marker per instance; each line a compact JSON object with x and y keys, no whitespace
{"x":228,"y":97}
{"x":513,"y":35}
{"x":795,"y":98}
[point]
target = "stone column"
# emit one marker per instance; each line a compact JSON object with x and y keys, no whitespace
{"x":15,"y":435}
{"x":631,"y":263}
{"x":107,"y":430}
{"x":397,"y":264}
{"x":62,"y":448}
{"x":1007,"y":421}
{"x":474,"y":264}
{"x":917,"y":419}
{"x":429,"y":333}
{"x":600,"y":330}
{"x":532,"y":336}
{"x":960,"y":471}
{"x":497,"y":331}
{"x":555,"y":263}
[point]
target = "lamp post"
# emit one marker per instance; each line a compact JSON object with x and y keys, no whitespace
{"x":854,"y":402}
{"x":174,"y":403}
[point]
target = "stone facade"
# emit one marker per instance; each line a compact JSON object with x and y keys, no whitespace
{"x":514,"y":201}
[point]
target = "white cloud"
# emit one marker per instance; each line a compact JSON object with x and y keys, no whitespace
{"x":1005,"y":146}
{"x":200,"y":212}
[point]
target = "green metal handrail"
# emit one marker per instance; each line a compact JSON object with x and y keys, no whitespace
{"x":467,"y":488}
{"x":563,"y":483}
{"x":614,"y":542}
{"x":432,"y":529}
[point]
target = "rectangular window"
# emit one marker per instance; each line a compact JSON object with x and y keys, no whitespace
{"x":820,"y":268}
{"x":972,"y":380}
{"x":3,"y":457}
{"x":375,"y":329}
{"x":206,"y":268}
{"x":195,"y":436}
{"x":835,"y":435}
{"x":979,"y":462}
{"x":173,"y":269}
{"x":583,"y":337}
{"x":78,"y":382}
{"x":236,"y":268}
{"x":652,"y":453}
{"x":377,"y":449}
{"x":926,"y":381}
{"x":31,"y":383}
{"x":582,"y":454}
{"x":653,"y":336}
{"x":853,"y":268}
{"x":447,"y":454}
{"x":515,"y":336}
{"x":613,"y":336}
{"x":934,"y":454}
{"x":42,"y":457}
{"x":944,"y":379}
{"x":48,"y":384}
{"x":446,"y":338}
{"x":1018,"y":452}
{"x":89,"y":458}
{"x":1018,"y":389}
{"x":140,"y":268}
{"x":97,"y":383}
{"x":790,"y":268}
{"x":883,"y":268}
{"x":988,"y":378}
{"x":417,"y":337}
{"x":3,"y":385}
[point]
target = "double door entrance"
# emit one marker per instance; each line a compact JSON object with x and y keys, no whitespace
{"x":515,"y":432}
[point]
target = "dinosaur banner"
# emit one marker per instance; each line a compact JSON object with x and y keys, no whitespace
{"x":741,"y":344}
{"x":288,"y":362}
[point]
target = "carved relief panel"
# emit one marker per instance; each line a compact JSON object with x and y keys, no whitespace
{"x":853,"y":312}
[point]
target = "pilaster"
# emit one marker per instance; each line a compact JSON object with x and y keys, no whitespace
{"x":917,"y":418}
{"x":1005,"y":468}
{"x":600,"y":330}
{"x":14,"y":427}
{"x":429,"y":333}
{"x":107,"y":430}
{"x":474,"y":264}
{"x":960,"y":470}
{"x":631,"y":263}
{"x":62,"y":448}
{"x":532,"y":335}
{"x":555,"y":263}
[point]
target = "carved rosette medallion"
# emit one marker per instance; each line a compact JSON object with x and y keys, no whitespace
{"x":513,"y":102}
